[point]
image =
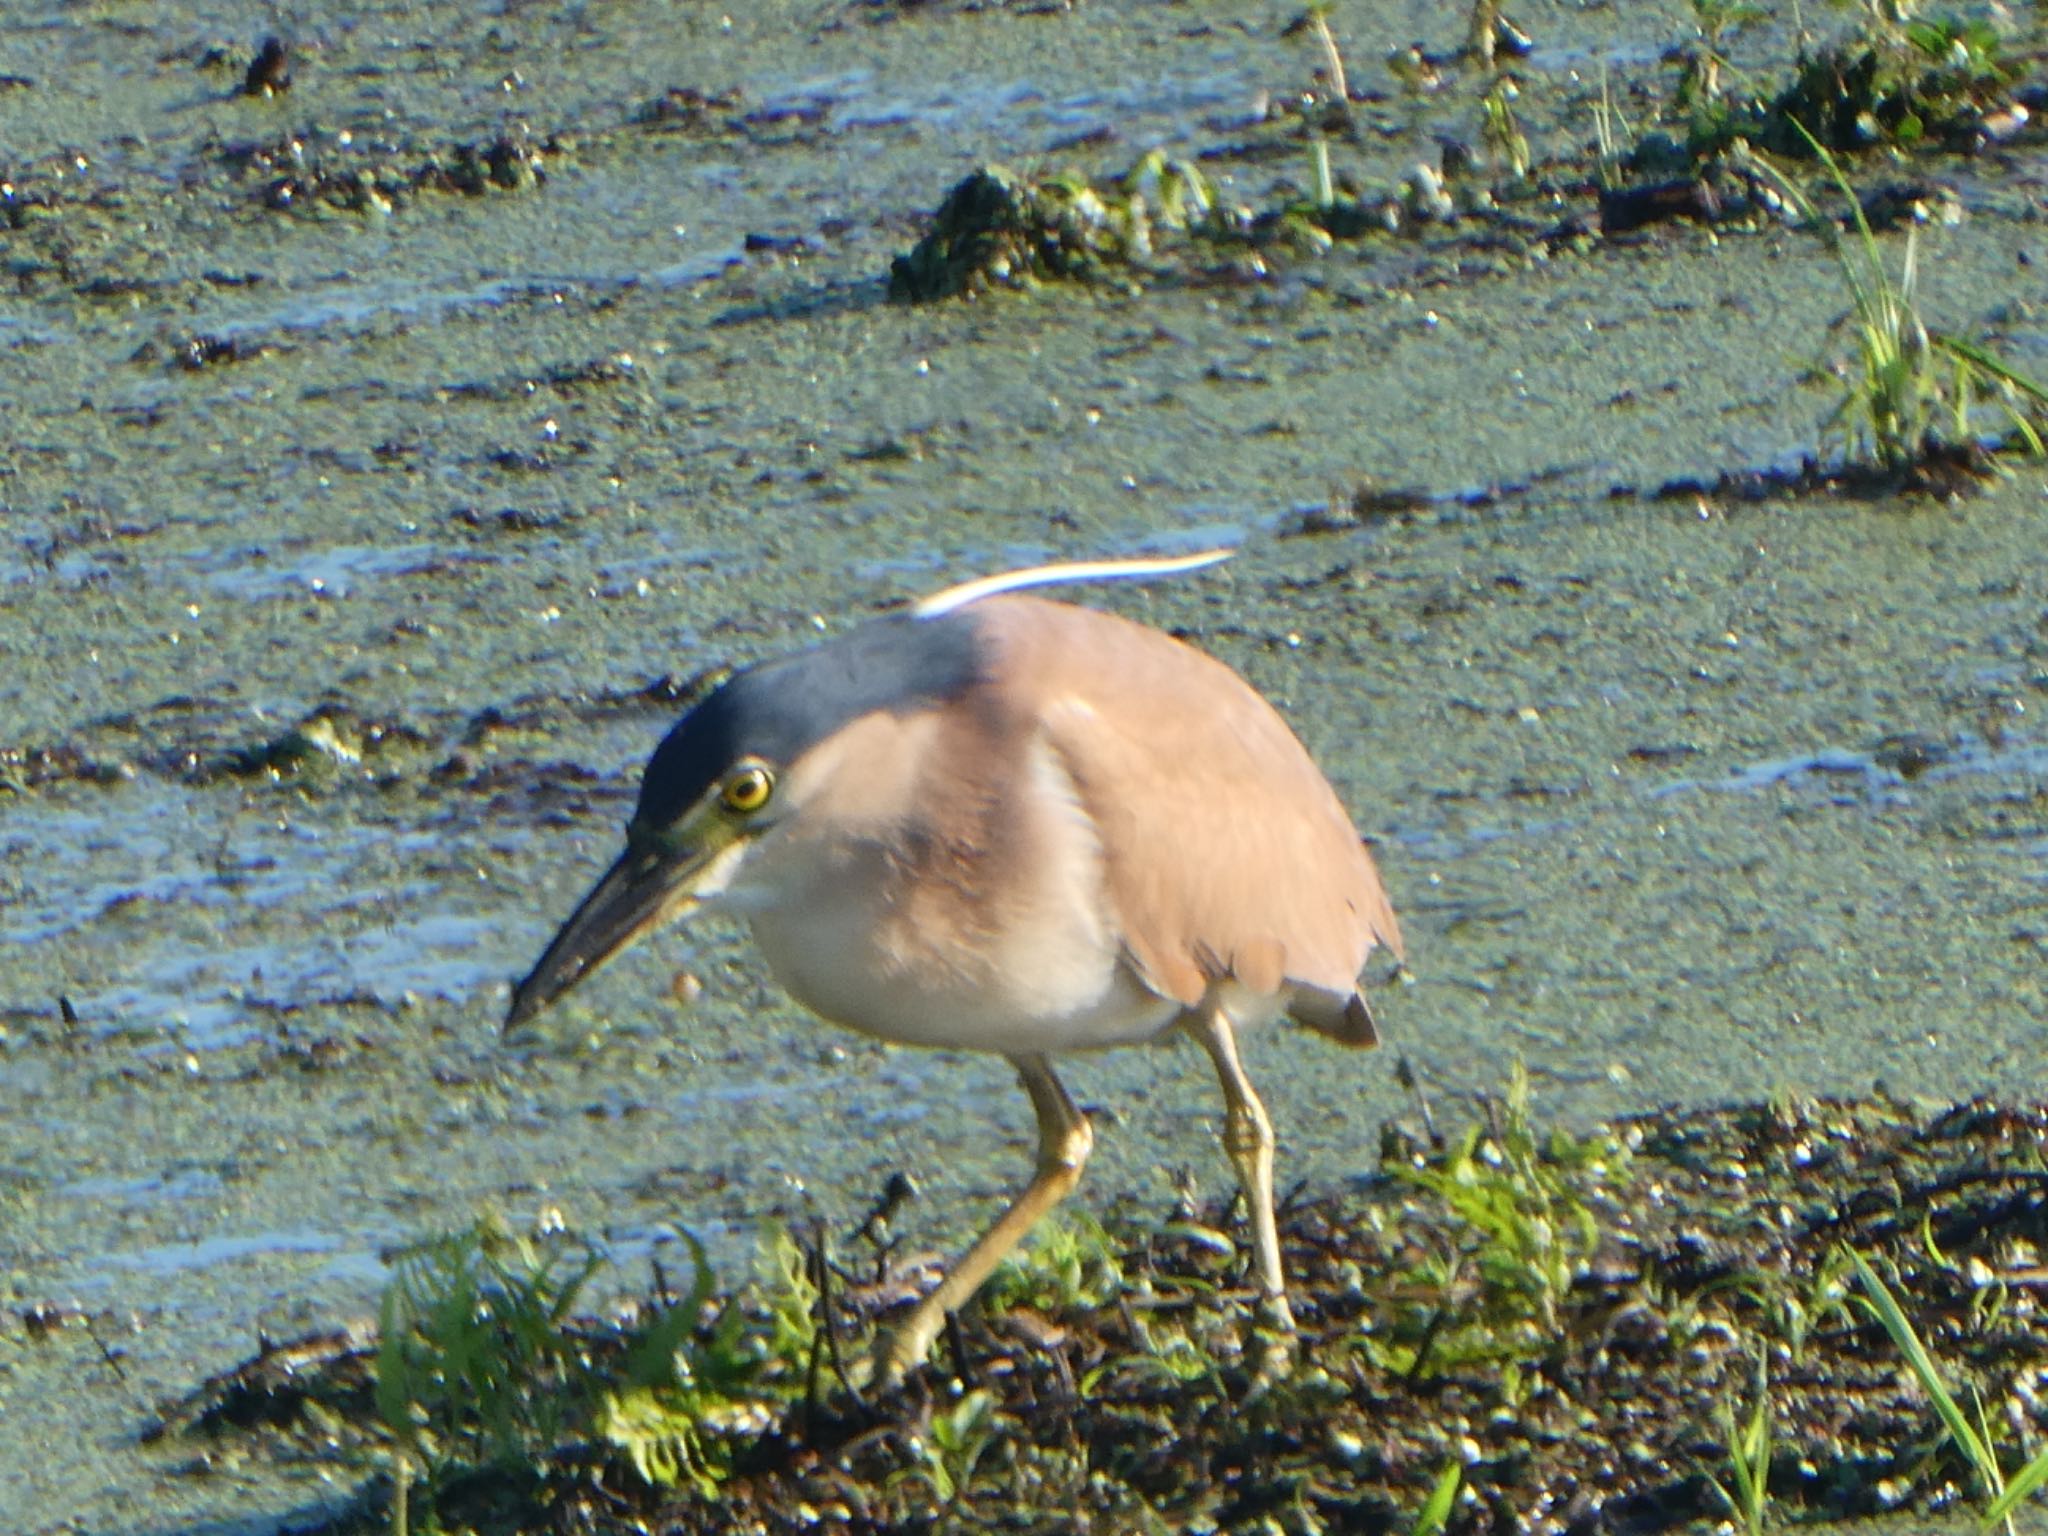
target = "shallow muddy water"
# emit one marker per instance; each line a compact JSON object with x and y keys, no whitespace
{"x":325,"y":664}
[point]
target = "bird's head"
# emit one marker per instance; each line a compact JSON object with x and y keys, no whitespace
{"x":729,"y":775}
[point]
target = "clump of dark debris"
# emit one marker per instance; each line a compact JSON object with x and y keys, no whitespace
{"x":354,"y":173}
{"x":997,"y":228}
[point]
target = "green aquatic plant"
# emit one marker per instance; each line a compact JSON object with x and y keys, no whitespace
{"x":1912,"y":391}
{"x":1974,"y":1442}
{"x":1499,"y":130}
{"x":788,"y":1275}
{"x":1071,"y":1263}
{"x":662,"y":1434}
{"x":1748,"y":1448}
{"x":1516,"y":1210}
{"x":1482,"y":31}
{"x":1898,"y":83}
{"x":474,"y":1364}
{"x":478,"y":1364}
{"x":1318,"y":22}
{"x":1322,"y":186}
{"x":1521,"y":1195}
{"x":704,"y":1374}
{"x":1610,"y":160}
{"x":953,"y":1445}
{"x":1428,"y":1393}
{"x":1798,"y":1312}
{"x":1435,"y":1513}
{"x":1892,"y":83}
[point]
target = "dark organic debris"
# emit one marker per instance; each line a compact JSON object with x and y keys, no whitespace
{"x":1625,"y":209}
{"x":1903,"y":204}
{"x":203,"y":351}
{"x":1937,"y":80}
{"x":331,"y":737}
{"x":780,"y":245}
{"x":270,"y":72}
{"x":1942,"y":470}
{"x":1566,"y":1318}
{"x":1366,"y":502}
{"x":521,"y":461}
{"x":1911,"y":754}
{"x":686,"y":108}
{"x":1898,"y":86}
{"x":671,"y":692}
{"x":271,"y":1391}
{"x":1917,"y":85}
{"x":511,"y":162}
{"x":999,"y":229}
{"x":509,"y":519}
{"x":616,"y":368}
{"x":1162,"y":218}
{"x":26,"y":768}
{"x":357,"y":174}
{"x":41,"y":1319}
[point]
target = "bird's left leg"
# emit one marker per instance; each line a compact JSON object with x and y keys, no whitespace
{"x":1064,"y":1140}
{"x":1248,"y":1139}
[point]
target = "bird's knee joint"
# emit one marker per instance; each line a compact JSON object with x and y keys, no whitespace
{"x":1064,"y":1156}
{"x":1246,"y":1134}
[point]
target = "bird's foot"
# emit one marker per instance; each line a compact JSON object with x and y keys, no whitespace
{"x":901,"y":1349}
{"x":894,"y":1352}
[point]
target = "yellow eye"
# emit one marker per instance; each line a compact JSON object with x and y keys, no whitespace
{"x":748,"y":790}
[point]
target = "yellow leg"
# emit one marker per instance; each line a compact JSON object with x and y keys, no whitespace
{"x":1248,"y":1139}
{"x":1064,"y":1141}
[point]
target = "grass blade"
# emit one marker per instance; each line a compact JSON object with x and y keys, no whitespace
{"x":1886,"y":1308}
{"x":1437,"y":1512}
{"x":1999,"y":369}
{"x":2025,"y":1484}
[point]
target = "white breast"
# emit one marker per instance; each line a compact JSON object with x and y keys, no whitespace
{"x":1035,"y":965}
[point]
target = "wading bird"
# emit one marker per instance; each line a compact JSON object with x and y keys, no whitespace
{"x":996,"y":822}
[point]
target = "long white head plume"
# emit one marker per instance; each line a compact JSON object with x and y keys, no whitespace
{"x":1061,"y":575}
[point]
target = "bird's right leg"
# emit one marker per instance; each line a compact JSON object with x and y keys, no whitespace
{"x":1064,"y":1141}
{"x":1248,"y":1141}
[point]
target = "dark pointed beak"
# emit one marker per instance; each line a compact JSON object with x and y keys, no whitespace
{"x":646,"y":888}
